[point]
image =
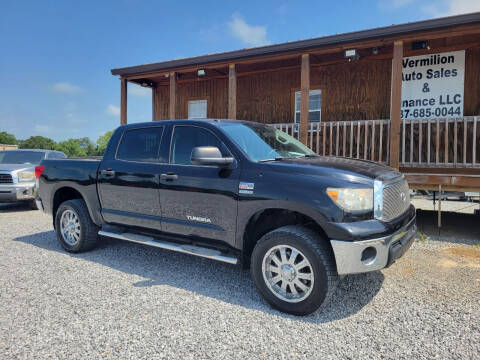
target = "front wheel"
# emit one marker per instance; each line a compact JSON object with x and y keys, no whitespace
{"x":293,"y":269}
{"x":76,"y":231}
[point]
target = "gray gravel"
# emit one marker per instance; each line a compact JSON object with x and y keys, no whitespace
{"x":126,"y":300}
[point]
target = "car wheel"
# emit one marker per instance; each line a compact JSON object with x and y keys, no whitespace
{"x":294,"y":269}
{"x":76,"y":231}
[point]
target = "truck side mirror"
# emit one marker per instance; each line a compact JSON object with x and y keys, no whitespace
{"x":209,"y":155}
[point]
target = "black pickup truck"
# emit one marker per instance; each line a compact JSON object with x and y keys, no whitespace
{"x":238,"y":192}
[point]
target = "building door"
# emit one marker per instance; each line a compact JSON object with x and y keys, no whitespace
{"x":198,"y":200}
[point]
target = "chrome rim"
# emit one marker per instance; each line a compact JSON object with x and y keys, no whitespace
{"x":70,"y":227}
{"x":288,"y":273}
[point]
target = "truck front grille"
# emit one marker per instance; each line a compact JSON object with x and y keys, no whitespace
{"x":396,"y":199}
{"x":6,"y":179}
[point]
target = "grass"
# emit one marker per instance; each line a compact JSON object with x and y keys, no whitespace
{"x":477,"y":246}
{"x":422,"y":237}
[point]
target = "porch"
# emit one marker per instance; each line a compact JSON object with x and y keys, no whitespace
{"x":357,"y":77}
{"x":432,"y":152}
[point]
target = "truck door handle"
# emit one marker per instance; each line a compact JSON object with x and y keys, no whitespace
{"x":108,"y":173}
{"x":168,"y":176}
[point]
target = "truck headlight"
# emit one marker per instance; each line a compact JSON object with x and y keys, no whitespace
{"x":26,"y":176}
{"x":352,"y":199}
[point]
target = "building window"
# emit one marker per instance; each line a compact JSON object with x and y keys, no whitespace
{"x":314,"y":106}
{"x":197,"y":109}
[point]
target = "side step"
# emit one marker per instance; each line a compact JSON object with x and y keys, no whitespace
{"x":183,"y":248}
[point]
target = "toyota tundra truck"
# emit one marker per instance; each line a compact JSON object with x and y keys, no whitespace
{"x":238,"y":192}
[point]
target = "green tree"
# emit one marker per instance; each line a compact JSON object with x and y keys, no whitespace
{"x":102,"y":142}
{"x":71,"y":148}
{"x":87,"y":145}
{"x":7,"y":138}
{"x":37,"y":142}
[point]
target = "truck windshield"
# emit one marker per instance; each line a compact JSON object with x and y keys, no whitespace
{"x":263,"y":142}
{"x":21,"y":157}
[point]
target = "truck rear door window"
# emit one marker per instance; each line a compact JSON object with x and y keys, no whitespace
{"x":140,"y":144}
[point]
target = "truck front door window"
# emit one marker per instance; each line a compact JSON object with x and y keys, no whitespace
{"x":185,"y":138}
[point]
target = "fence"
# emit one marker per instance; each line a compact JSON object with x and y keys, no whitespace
{"x":424,"y":142}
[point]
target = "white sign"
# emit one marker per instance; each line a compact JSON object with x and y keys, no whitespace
{"x":432,"y":85}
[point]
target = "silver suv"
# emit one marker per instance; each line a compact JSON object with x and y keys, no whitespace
{"x":17,"y":173}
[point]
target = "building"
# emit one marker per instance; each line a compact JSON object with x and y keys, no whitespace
{"x":407,"y":95}
{"x":8,"y":147}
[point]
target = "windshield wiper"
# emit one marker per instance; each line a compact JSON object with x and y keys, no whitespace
{"x":310,"y":155}
{"x":272,"y":159}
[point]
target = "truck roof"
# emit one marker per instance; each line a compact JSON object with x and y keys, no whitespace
{"x":186,"y":121}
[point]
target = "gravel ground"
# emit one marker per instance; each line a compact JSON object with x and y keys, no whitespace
{"x":126,"y":300}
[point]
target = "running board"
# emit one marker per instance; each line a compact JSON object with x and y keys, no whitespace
{"x":183,"y":248}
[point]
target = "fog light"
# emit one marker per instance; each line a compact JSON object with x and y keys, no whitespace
{"x":369,"y":255}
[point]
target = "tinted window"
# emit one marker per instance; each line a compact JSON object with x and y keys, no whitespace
{"x":21,"y":157}
{"x":140,"y":144}
{"x":185,"y":138}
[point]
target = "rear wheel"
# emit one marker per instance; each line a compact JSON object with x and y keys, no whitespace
{"x":76,"y":231}
{"x":294,"y":269}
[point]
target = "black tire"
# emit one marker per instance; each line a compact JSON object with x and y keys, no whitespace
{"x":88,"y":238}
{"x":317,"y":252}
{"x":32,"y":205}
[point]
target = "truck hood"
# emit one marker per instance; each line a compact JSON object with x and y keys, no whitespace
{"x":15,"y":167}
{"x":335,"y":166}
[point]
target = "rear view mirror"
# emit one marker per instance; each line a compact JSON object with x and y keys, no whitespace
{"x":209,"y":155}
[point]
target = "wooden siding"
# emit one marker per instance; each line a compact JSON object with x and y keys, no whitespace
{"x":472,"y":82}
{"x":354,"y":91}
{"x":161,"y":102}
{"x":266,"y":97}
{"x":358,"y":90}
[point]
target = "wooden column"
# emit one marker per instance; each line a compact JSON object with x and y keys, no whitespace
{"x":304,"y":99}
{"x":173,"y":90}
{"x":396,"y":103}
{"x":232,"y":92}
{"x":123,"y":101}
{"x":154,"y":106}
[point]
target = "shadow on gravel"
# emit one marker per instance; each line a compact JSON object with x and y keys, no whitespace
{"x":15,"y":207}
{"x":206,"y":277}
{"x":456,"y":228}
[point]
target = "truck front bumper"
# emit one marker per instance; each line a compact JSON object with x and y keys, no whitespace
{"x":354,"y":257}
{"x":17,"y":192}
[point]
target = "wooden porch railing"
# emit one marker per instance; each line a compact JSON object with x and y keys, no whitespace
{"x":359,"y":139}
{"x":424,"y":142}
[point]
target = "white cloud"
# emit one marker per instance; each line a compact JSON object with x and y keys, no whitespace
{"x":66,"y":88}
{"x":451,"y":7}
{"x":113,"y":110}
{"x":438,"y":8}
{"x":139,"y":91}
{"x":254,"y":35}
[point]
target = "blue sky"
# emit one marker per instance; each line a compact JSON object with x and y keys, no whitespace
{"x":56,"y":56}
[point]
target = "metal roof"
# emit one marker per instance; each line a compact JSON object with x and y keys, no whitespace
{"x":338,"y":39}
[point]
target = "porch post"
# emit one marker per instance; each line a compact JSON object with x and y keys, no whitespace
{"x":304,"y":98}
{"x":154,"y":106}
{"x":173,"y":88}
{"x":232,"y":92}
{"x":123,"y":101}
{"x":396,"y":103}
